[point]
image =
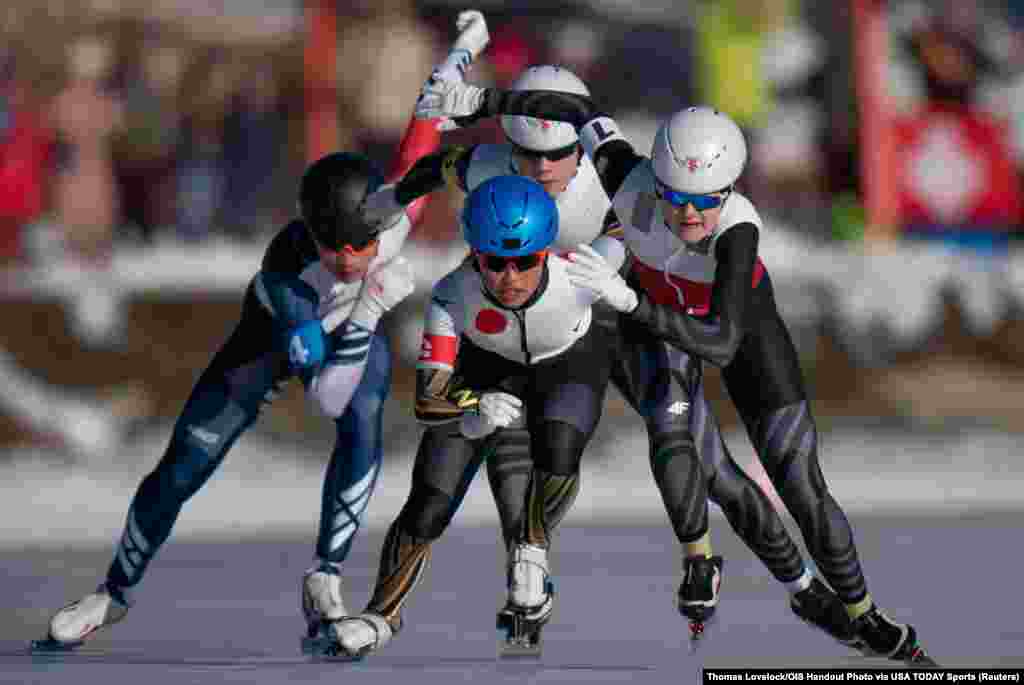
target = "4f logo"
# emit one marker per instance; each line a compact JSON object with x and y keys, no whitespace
{"x":678,"y":408}
{"x":692,"y":163}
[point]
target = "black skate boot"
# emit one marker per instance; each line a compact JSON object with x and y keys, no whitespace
{"x":818,"y":606}
{"x":897,"y":641}
{"x":698,"y":593}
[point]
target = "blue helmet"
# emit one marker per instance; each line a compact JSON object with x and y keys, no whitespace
{"x":509,"y":216}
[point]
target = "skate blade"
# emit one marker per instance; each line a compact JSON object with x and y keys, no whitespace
{"x":919,"y":659}
{"x":322,"y":645}
{"x":50,"y":646}
{"x":322,"y":648}
{"x":922,"y":662}
{"x":520,"y":639}
{"x":519,"y":650}
{"x":698,"y":632}
{"x":325,"y":648}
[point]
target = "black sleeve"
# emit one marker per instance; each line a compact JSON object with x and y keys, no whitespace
{"x":613,"y":160}
{"x":427,"y":174}
{"x":716,"y":338}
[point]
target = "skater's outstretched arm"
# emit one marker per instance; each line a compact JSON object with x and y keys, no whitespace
{"x":422,"y":165}
{"x":613,"y":156}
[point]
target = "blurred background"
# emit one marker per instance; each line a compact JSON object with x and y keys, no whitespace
{"x":149,"y":150}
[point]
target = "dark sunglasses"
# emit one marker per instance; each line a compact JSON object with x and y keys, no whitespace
{"x":522,"y":263}
{"x":699,"y":202}
{"x":550,"y":155}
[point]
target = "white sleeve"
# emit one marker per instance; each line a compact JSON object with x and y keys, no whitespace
{"x":442,"y":325}
{"x":392,"y":240}
{"x":332,"y":389}
{"x":333,"y":386}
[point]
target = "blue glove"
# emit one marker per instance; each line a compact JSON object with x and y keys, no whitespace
{"x":306,"y":346}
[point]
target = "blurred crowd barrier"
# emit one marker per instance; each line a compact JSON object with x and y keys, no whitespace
{"x":149,"y":150}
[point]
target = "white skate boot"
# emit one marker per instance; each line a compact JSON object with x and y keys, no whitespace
{"x":357,"y":636}
{"x":531,"y":600}
{"x":321,"y":605}
{"x":74,"y":623}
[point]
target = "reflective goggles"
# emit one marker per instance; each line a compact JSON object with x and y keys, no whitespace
{"x":497,"y":264}
{"x":699,"y":202}
{"x":551,"y":155}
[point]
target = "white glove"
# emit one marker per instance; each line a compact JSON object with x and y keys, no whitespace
{"x":590,"y":270}
{"x":382,"y":289}
{"x":494,"y":410}
{"x":381,"y":208}
{"x":473,"y":33}
{"x":473,"y":39}
{"x":445,"y":97}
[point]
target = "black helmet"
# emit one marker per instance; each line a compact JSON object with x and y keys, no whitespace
{"x":330,"y":194}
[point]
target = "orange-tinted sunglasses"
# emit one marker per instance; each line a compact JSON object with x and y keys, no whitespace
{"x":349,"y":249}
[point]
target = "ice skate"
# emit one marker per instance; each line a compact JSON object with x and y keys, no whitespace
{"x":321,"y":605}
{"x":698,"y":594}
{"x":882,"y":637}
{"x":531,"y":600}
{"x":70,"y":626}
{"x":820,"y":607}
{"x":356,"y":636}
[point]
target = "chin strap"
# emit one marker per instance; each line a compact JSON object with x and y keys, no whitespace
{"x":668,"y":279}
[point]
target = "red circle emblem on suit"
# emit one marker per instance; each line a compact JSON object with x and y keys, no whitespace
{"x":491,"y":321}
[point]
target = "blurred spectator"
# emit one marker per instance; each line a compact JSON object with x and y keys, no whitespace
{"x":787,"y":150}
{"x":958,"y":176}
{"x":206,"y":91}
{"x":147,"y":148}
{"x":85,"y":116}
{"x":25,"y":157}
{"x":579,"y":45}
{"x":383,"y":59}
{"x":513,"y":48}
{"x":731,"y":39}
{"x":254,"y":141}
{"x":730,"y":36}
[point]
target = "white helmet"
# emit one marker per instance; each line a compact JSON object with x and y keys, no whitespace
{"x":540,"y":134}
{"x":698,"y":150}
